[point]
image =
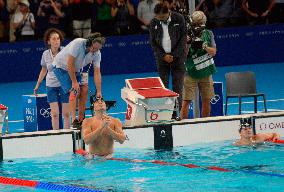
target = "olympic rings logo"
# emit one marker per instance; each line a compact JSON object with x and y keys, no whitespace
{"x":215,"y":99}
{"x":45,"y":112}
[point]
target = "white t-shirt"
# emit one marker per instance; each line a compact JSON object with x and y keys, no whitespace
{"x":46,"y":61}
{"x":27,"y":29}
{"x":166,"y":40}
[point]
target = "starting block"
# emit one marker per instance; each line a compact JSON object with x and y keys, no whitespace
{"x":3,"y":117}
{"x":148,"y":101}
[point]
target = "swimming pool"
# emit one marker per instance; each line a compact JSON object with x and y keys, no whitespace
{"x":265,"y":74}
{"x":258,"y":168}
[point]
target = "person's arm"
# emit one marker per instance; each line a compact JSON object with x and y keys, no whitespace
{"x":210,"y":48}
{"x":246,"y":9}
{"x":158,"y":50}
{"x":130,"y":8}
{"x":140,"y":14}
{"x":117,"y":134}
{"x":270,"y":7}
{"x":19,"y":22}
{"x":90,"y":136}
{"x":114,"y":10}
{"x":41,"y":76}
{"x":72,"y":72}
{"x":2,"y":4}
{"x":267,"y":137}
{"x":197,"y":8}
{"x":32,"y":20}
{"x":179,"y":49}
{"x":98,"y":81}
{"x":40,"y":11}
{"x":57,"y":11}
{"x":11,"y":6}
{"x":271,"y":136}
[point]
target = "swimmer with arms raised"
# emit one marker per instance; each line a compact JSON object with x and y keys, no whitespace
{"x":101,"y":130}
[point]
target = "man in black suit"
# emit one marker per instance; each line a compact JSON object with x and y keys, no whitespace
{"x":168,"y":40}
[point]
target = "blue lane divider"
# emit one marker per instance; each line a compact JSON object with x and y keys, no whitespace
{"x":67,"y":188}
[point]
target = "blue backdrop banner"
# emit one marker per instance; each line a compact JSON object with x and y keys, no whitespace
{"x":133,"y":54}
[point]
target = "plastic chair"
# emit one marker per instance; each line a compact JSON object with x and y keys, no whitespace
{"x":242,"y":84}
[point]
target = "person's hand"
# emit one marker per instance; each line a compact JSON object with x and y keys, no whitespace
{"x":253,"y":14}
{"x":168,"y":58}
{"x":188,"y":39}
{"x":99,"y":95}
{"x":35,"y":90}
{"x":265,"y":13}
{"x":44,"y":4}
{"x":53,"y":4}
{"x":75,"y":86}
{"x":106,"y":121}
{"x":275,"y":137}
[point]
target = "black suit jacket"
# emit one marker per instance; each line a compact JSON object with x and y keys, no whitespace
{"x":177,"y":32}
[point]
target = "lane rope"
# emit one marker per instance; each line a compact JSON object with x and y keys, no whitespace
{"x":214,"y":168}
{"x":43,"y":185}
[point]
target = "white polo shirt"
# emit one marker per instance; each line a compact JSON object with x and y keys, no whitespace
{"x":77,"y":49}
{"x":166,"y":41}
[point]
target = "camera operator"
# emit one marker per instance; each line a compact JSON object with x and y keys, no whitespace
{"x":199,"y":65}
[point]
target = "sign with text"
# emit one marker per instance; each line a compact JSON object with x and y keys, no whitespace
{"x":36,"y":111}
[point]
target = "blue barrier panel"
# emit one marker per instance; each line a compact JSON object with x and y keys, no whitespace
{"x":120,"y":55}
{"x":249,"y":45}
{"x":20,"y":61}
{"x":216,"y":102}
{"x":127,"y":54}
{"x":36,"y":113}
{"x":133,"y":54}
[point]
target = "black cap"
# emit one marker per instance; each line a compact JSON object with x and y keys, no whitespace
{"x":245,"y":122}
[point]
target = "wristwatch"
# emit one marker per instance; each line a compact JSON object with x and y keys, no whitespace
{"x":204,"y":46}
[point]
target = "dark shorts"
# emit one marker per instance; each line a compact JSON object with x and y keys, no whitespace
{"x":56,"y":94}
{"x":64,"y":79}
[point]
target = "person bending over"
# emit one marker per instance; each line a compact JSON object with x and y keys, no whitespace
{"x":67,"y":66}
{"x":248,"y":138}
{"x":101,"y":130}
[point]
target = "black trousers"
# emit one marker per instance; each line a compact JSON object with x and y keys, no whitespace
{"x":176,"y":69}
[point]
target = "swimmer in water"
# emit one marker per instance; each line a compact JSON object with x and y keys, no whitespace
{"x":248,"y":138}
{"x":101,"y":130}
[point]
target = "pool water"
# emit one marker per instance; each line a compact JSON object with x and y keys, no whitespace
{"x":258,"y":168}
{"x":112,"y":85}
